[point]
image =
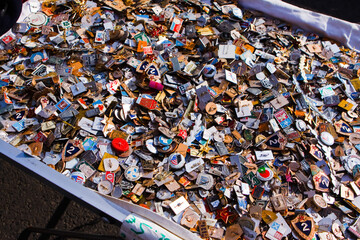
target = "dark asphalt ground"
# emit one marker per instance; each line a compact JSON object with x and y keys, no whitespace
{"x":25,"y":202}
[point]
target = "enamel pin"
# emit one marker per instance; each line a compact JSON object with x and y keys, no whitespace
{"x":71,"y":150}
{"x":304,"y":226}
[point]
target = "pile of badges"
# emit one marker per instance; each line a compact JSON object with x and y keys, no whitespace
{"x":225,"y":121}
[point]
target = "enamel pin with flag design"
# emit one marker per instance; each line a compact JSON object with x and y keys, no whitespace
{"x":304,"y":226}
{"x":277,"y":141}
{"x":72,"y":149}
{"x":283,"y":118}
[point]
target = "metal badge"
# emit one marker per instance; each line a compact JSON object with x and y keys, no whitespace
{"x":304,"y":226}
{"x":251,"y":179}
{"x":176,"y":160}
{"x":190,"y":218}
{"x":63,"y":104}
{"x":179,"y":205}
{"x":264,"y":173}
{"x":72,"y":149}
{"x":78,"y":177}
{"x":105,"y":187}
{"x":277,"y":141}
{"x":205,"y":181}
{"x":233,"y":232}
{"x":203,"y":229}
{"x":343,"y":128}
{"x":278,"y":202}
{"x":283,"y":118}
{"x":221,"y":148}
{"x":321,"y":182}
{"x":132,"y":173}
{"x":316,"y":153}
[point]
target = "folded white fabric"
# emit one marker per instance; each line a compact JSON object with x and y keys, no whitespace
{"x":342,"y":31}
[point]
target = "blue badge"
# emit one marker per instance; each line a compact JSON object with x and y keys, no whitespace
{"x":63,"y":104}
{"x":164,"y":140}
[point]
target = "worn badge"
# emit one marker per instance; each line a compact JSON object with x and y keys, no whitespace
{"x":71,"y":150}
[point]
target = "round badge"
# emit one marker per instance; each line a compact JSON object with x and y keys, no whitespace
{"x":120,"y":145}
{"x":117,"y":192}
{"x":110,"y":164}
{"x":319,"y":201}
{"x":165,"y":141}
{"x":355,"y":138}
{"x":209,"y":71}
{"x":78,"y":177}
{"x":211,"y":108}
{"x":163,"y":194}
{"x":237,"y":12}
{"x":352,"y":114}
{"x":327,"y":138}
{"x":203,"y":193}
{"x":300,"y":125}
{"x":37,"y":19}
{"x":176,"y":160}
{"x":105,"y":187}
{"x":219,"y":137}
{"x":264,"y":174}
{"x":150,"y":146}
{"x":132,"y":173}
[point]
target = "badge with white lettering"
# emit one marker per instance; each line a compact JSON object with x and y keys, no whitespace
{"x":321,"y":182}
{"x":343,"y":128}
{"x":153,"y":71}
{"x":277,"y":141}
{"x":19,"y":115}
{"x":304,"y":226}
{"x":71,"y":150}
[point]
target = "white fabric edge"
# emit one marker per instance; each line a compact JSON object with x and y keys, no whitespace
{"x":344,"y":32}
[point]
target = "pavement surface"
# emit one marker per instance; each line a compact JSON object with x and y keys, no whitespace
{"x":27,"y":202}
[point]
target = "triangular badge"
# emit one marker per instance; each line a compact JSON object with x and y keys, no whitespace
{"x":277,"y":141}
{"x":71,"y":150}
